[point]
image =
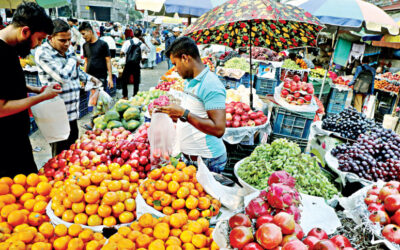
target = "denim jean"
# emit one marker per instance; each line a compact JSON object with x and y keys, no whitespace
{"x":216,"y":164}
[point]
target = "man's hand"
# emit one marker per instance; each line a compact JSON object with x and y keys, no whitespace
{"x":110,"y":82}
{"x":51,"y":92}
{"x":96,"y":82}
{"x":173,"y":110}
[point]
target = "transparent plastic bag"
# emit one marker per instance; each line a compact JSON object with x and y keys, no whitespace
{"x":103,"y":103}
{"x":162,"y":136}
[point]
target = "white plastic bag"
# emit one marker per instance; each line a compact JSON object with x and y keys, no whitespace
{"x":52,"y":119}
{"x":162,"y":137}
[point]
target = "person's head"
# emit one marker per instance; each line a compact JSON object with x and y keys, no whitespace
{"x":176,"y":31}
{"x":115,"y":27}
{"x":365,"y":60}
{"x":61,"y":38}
{"x":292,"y":56}
{"x":155,"y":34}
{"x":87,"y":31}
{"x":72,"y":21}
{"x":32,"y":25}
{"x":137,"y":33}
{"x":185,"y":55}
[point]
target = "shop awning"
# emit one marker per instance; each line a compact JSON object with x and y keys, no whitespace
{"x":13,"y":4}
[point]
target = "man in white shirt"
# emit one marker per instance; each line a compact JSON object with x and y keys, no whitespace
{"x":115,"y":33}
{"x":111,"y":44}
{"x":75,"y":34}
{"x":131,"y":73}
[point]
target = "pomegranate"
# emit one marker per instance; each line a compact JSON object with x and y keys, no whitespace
{"x":240,"y":236}
{"x":269,"y":235}
{"x":256,"y":208}
{"x":264,"y":219}
{"x":282,"y":177}
{"x":296,"y":78}
{"x":288,"y":238}
{"x":295,"y":245}
{"x":386,"y":191}
{"x":252,"y":246}
{"x":396,"y":217}
{"x":392,"y":202}
{"x":341,"y":241}
{"x":395,"y":184}
{"x":319,"y":233}
{"x":392,"y":233}
{"x":239,"y":220}
{"x":375,"y":207}
{"x":371,"y":199}
{"x":374,"y":190}
{"x":310,"y":241}
{"x":285,"y":221}
{"x":325,"y":245}
{"x":380,"y":217}
{"x":298,"y":231}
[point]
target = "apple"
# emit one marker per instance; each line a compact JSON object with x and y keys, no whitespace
{"x":125,"y":154}
{"x":228,"y":124}
{"x":310,"y":90}
{"x":289,"y":98}
{"x":143,"y":160}
{"x":287,"y":85}
{"x":91,"y":154}
{"x":284,"y":92}
{"x":62,"y":163}
{"x":297,"y":94}
{"x":300,"y":101}
{"x":228,"y":116}
{"x":296,"y":78}
{"x":85,"y":161}
{"x":308,"y":98}
{"x":236,"y":124}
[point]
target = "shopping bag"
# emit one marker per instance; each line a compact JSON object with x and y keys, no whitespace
{"x":162,"y":136}
{"x":369,"y":106}
{"x":52,"y":119}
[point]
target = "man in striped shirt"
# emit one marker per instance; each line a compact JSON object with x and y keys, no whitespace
{"x":57,"y":63}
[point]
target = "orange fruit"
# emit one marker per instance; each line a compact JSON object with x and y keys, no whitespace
{"x":94,"y":220}
{"x":74,"y":230}
{"x":20,"y":179}
{"x":97,"y":177}
{"x":109,"y":221}
{"x":110,"y":198}
{"x":156,"y":245}
{"x":114,"y":186}
{"x":195,"y":227}
{"x":206,"y":213}
{"x":130,"y":204}
{"x":183,"y":192}
{"x":175,"y":232}
{"x":178,"y":220}
{"x":126,"y":244}
{"x":167,"y":178}
{"x":76,"y":244}
{"x":83,"y":181}
{"x":204,"y":203}
{"x":127,"y":169}
{"x":93,"y":245}
{"x":178,"y":204}
{"x":126,"y":217}
{"x":40,"y":207}
{"x":25,"y":197}
{"x":155,"y":174}
{"x":91,"y":209}
{"x":41,"y":246}
{"x":204,"y":223}
{"x":67,"y":203}
{"x":43,"y":188}
{"x":86,"y":235}
{"x":194,"y":214}
{"x":35,"y":219}
{"x":98,"y":236}
{"x":168,"y":210}
{"x":4,"y":188}
{"x":191,"y":202}
{"x":68,"y":216}
{"x":166,"y":199}
{"x":104,"y":211}
{"x":146,"y":220}
{"x":143,"y":241}
{"x":161,"y":231}
{"x":8,"y":199}
{"x":173,"y":240}
{"x":81,"y":218}
{"x":32,"y":180}
{"x":7,"y":180}
{"x":17,"y":190}
{"x":17,"y":245}
{"x":92,"y":197}
{"x":169,"y":169}
{"x":118,"y":208}
{"x":134,"y":176}
{"x":76,"y":195}
{"x":61,"y":243}
{"x":186,"y":236}
{"x":173,"y":187}
{"x":46,"y":229}
{"x":78,"y":207}
{"x":16,"y":218}
{"x":117,"y":174}
{"x":161,"y":185}
{"x":60,"y":230}
{"x":199,"y":240}
{"x":178,"y":176}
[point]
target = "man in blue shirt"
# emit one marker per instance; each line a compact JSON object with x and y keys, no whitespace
{"x":363,"y":82}
{"x":201,"y":116}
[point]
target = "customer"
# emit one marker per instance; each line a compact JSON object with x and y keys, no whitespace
{"x":115,"y":33}
{"x":75,"y":35}
{"x":57,"y":64}
{"x":128,"y":32}
{"x":30,"y":25}
{"x":169,"y":41}
{"x":150,"y":42}
{"x":363,"y":82}
{"x":201,"y":116}
{"x":132,"y":51}
{"x":111,"y":44}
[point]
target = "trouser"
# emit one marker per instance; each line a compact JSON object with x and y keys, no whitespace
{"x":216,"y":164}
{"x":59,"y":146}
{"x":131,"y":75}
{"x":359,"y":101}
{"x":112,"y":53}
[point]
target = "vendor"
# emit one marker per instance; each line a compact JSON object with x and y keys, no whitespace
{"x":363,"y":82}
{"x":201,"y":116}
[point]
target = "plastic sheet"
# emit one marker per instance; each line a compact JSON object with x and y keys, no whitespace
{"x":356,"y":209}
{"x":57,"y":221}
{"x":237,"y":135}
{"x":162,"y":136}
{"x":312,"y":107}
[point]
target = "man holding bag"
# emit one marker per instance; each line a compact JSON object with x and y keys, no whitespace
{"x":29,"y":27}
{"x":201,"y":116}
{"x":57,"y":63}
{"x":363,"y":82}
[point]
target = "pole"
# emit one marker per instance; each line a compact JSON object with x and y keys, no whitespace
{"x":251,"y":64}
{"x":330,"y":63}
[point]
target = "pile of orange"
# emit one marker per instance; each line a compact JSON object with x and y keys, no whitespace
{"x":172,"y":189}
{"x":105,"y":196}
{"x":173,"y":232}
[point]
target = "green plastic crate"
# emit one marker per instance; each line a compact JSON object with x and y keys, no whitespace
{"x":317,"y":83}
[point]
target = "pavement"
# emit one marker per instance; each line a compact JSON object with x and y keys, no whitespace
{"x":149,"y":79}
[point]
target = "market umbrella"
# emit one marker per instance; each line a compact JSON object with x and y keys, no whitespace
{"x":13,"y":4}
{"x":388,"y":41}
{"x":151,"y":5}
{"x":262,"y":23}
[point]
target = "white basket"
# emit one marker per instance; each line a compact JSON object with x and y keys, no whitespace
{"x":247,"y":187}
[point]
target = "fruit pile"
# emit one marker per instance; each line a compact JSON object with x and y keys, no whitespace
{"x":169,"y":232}
{"x":165,"y":85}
{"x":238,"y":63}
{"x":284,"y":155}
{"x":280,"y":196}
{"x":301,"y":63}
{"x":207,"y":61}
{"x":318,"y":73}
{"x":374,"y":156}
{"x":340,"y":81}
{"x":349,"y":123}
{"x":264,"y":54}
{"x":178,"y":85}
{"x":160,"y":101}
{"x":391,"y":77}
{"x":103,"y":147}
{"x":242,"y":94}
{"x":296,"y":92}
{"x":387,"y":86}
{"x":239,"y":114}
{"x":172,"y":189}
{"x":290,"y":64}
{"x":123,"y":114}
{"x":228,"y":55}
{"x":143,"y":98}
{"x":105,"y":196}
{"x":384,"y":207}
{"x":24,"y":223}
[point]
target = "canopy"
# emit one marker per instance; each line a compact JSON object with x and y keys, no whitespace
{"x":351,"y":14}
{"x":388,"y":41}
{"x":13,"y":4}
{"x":151,"y":5}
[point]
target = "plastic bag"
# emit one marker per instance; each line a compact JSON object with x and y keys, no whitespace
{"x":94,"y":95}
{"x":162,"y":137}
{"x":52,"y":119}
{"x":104,"y":102}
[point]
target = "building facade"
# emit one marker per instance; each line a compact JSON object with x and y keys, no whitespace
{"x":102,"y":10}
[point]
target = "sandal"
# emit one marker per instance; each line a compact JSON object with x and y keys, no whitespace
{"x":87,"y":127}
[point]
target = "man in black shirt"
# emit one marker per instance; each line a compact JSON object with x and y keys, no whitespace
{"x":97,"y":55}
{"x":29,"y":27}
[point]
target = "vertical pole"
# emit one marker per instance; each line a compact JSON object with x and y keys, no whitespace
{"x":330,"y":62}
{"x":251,"y":71}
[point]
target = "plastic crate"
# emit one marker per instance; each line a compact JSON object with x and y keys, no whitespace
{"x":33,"y":126}
{"x":245,"y":80}
{"x":229,"y":83}
{"x":317,"y":83}
{"x":337,"y":101}
{"x":235,"y":153}
{"x":32,"y":79}
{"x":301,"y":142}
{"x":288,"y":123}
{"x":265,"y":86}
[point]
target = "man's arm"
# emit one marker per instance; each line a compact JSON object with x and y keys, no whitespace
{"x":110,"y":79}
{"x":61,"y":73}
{"x":11,"y":107}
{"x":32,"y":89}
{"x":85,"y":66}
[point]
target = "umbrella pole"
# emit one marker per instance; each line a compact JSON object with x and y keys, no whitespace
{"x":251,"y":77}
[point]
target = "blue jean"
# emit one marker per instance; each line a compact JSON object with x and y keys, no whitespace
{"x":216,"y":164}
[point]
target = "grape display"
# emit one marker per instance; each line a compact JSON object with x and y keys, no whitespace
{"x":349,"y":123}
{"x":374,"y":156}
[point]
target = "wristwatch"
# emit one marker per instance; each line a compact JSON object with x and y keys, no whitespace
{"x":184,"y":117}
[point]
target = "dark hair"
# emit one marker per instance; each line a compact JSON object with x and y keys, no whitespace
{"x":32,"y":15}
{"x":292,"y":56}
{"x":137,"y":33}
{"x":85,"y":26}
{"x":60,"y":26}
{"x":183,"y":45}
{"x":73,"y":20}
{"x":365,"y":60}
